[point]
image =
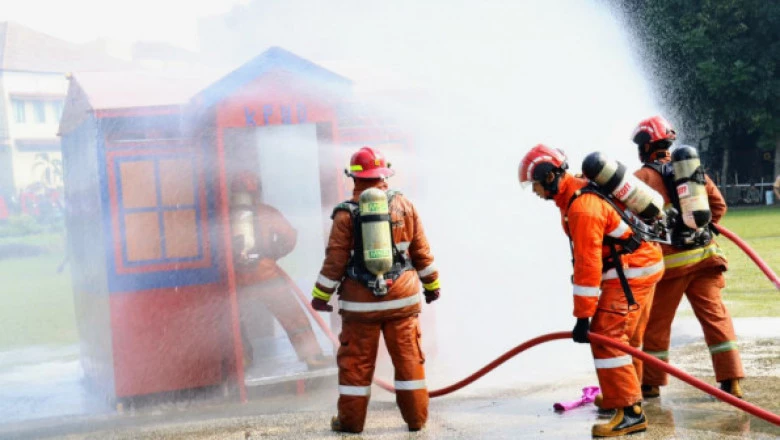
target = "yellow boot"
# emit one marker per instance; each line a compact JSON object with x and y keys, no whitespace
{"x":626,"y":420}
{"x":732,"y":387}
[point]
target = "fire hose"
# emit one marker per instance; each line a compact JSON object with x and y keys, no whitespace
{"x":750,"y":253}
{"x":685,"y":377}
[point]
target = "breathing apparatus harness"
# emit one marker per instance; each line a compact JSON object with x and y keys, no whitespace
{"x":681,"y":237}
{"x":356,"y":268}
{"x":642,"y":231}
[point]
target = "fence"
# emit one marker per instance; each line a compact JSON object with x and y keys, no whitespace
{"x":741,"y":194}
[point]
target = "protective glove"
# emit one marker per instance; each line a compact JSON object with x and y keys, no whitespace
{"x":580,"y":332}
{"x":431,"y":295}
{"x":321,"y":305}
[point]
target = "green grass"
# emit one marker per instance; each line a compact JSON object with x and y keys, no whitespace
{"x":748,"y":292}
{"x":52,"y":241}
{"x":37,"y":302}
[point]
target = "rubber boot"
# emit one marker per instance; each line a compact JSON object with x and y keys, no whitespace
{"x":415,"y":429}
{"x":626,"y":421}
{"x":732,"y":387}
{"x":319,"y":361}
{"x":335,"y":426}
{"x":651,"y":391}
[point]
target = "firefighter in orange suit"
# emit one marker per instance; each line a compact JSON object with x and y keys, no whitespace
{"x":262,"y":236}
{"x":371,"y":304}
{"x":693,"y":270}
{"x":600,"y":240}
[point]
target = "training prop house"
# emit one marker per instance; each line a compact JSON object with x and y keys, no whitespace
{"x":148,"y":162}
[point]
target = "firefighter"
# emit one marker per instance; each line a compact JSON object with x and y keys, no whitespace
{"x":376,"y":299}
{"x":601,"y":242}
{"x":694,"y":269}
{"x":262,"y":236}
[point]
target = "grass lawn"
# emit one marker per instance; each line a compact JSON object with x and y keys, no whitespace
{"x":748,"y":292}
{"x":37,"y":302}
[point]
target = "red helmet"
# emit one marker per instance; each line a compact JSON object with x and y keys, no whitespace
{"x":246,"y":181}
{"x":652,"y":130}
{"x":369,"y":163}
{"x":539,"y":161}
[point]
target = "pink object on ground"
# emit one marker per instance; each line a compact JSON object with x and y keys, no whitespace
{"x":588,"y":396}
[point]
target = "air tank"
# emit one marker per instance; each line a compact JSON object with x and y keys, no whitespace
{"x":242,"y":223}
{"x":377,"y":238}
{"x":614,"y":178}
{"x":691,"y":189}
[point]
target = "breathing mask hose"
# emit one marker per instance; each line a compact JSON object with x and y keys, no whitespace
{"x":750,"y":253}
{"x":646,"y":358}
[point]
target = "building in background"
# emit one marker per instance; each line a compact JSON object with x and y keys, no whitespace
{"x":33,"y":85}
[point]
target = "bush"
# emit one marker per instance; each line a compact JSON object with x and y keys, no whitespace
{"x":20,"y":225}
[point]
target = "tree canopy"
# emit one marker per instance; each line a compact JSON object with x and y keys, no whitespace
{"x":714,"y":63}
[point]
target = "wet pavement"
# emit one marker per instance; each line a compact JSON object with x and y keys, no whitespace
{"x":515,"y":410}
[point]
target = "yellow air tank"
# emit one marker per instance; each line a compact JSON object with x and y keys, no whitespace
{"x":242,"y":223}
{"x":377,"y":238}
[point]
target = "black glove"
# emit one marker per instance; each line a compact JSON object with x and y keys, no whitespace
{"x":431,"y":295}
{"x":321,"y":305}
{"x":580,"y":332}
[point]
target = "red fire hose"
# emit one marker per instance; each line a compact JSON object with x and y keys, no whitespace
{"x":750,"y":253}
{"x":707,"y":388}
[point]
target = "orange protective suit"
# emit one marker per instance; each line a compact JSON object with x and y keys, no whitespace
{"x":365,"y":315}
{"x":697,"y":273}
{"x":588,"y":220}
{"x":263,"y":285}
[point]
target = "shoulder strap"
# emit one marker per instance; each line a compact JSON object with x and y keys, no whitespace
{"x":348,"y":205}
{"x":655,"y":166}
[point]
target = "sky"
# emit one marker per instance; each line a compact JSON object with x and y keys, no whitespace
{"x":81,"y":21}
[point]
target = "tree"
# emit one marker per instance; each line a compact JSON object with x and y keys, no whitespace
{"x":48,"y":170}
{"x":715,"y":65}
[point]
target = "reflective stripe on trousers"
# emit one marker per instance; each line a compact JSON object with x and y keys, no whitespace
{"x":349,"y":390}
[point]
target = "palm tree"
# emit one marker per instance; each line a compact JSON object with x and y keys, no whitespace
{"x":48,"y":170}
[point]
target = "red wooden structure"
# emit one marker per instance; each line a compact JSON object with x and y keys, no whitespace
{"x":147,"y":160}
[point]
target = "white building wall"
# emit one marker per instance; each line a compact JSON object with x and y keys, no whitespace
{"x":31,"y":87}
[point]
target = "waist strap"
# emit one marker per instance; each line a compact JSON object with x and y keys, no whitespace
{"x":378,"y":306}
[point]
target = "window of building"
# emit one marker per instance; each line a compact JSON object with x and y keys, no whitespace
{"x":39,"y":111}
{"x":56,"y":109}
{"x":20,"y":116}
{"x":158,"y":210}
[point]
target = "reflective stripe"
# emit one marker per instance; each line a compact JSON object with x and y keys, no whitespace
{"x":410,"y":384}
{"x":613,"y":362}
{"x":427,"y":271}
{"x":327,"y":282}
{"x":619,"y":230}
{"x":348,"y":390}
{"x":352,"y":306}
{"x":659,"y":354}
{"x":432,"y":285}
{"x":402,"y":246}
{"x":723,"y":346}
{"x":692,"y":256}
{"x":635,"y":272}
{"x":586,"y":291}
{"x":356,"y":168}
{"x":317,"y":293}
